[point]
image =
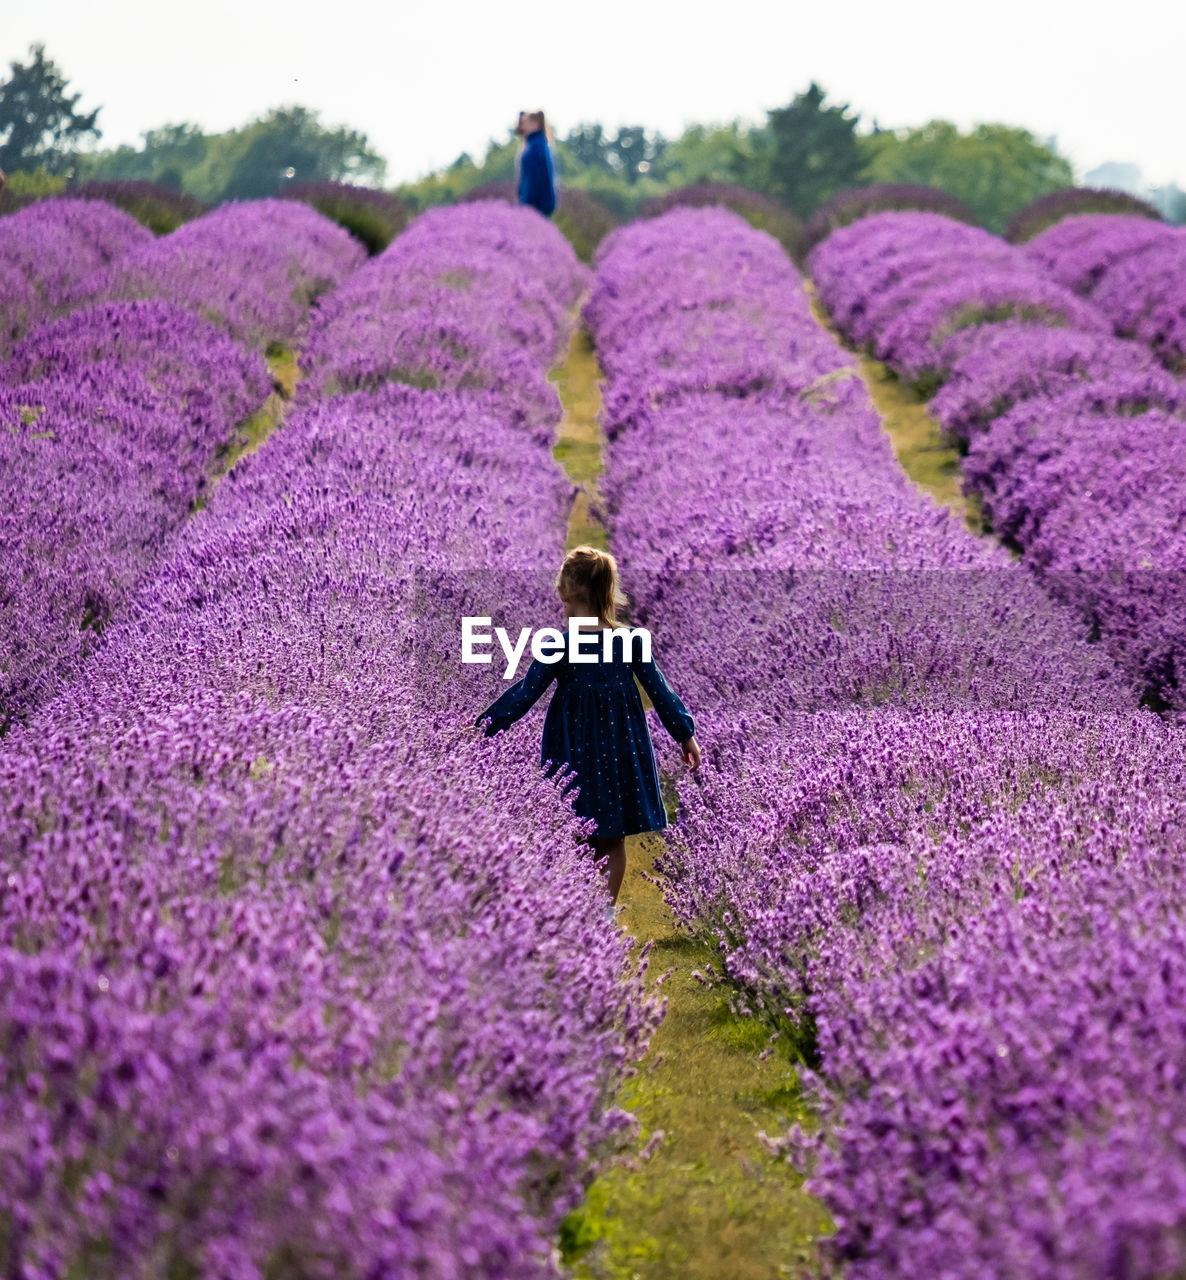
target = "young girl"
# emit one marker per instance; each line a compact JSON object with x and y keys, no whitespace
{"x":595,"y":722}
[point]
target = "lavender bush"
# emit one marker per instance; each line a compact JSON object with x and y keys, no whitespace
{"x":903,"y":283}
{"x":1016,"y":339}
{"x":994,"y":366}
{"x":1131,"y":269}
{"x":743,"y":344}
{"x":420,"y":313}
{"x":859,"y":202}
{"x":1080,"y":249}
{"x":161,"y":209}
{"x":935,"y":840}
{"x":584,"y":220}
{"x":302,"y":976}
{"x":1086,"y":485}
{"x":1144,"y":296}
{"x":506,"y":192}
{"x":911,"y":342}
{"x":46,"y":248}
{"x":252,"y":268}
{"x":963,"y":972}
{"x":374,"y":218}
{"x":116,"y":412}
{"x":760,"y":211}
{"x":114,"y":416}
{"x":857,"y":265}
{"x":1049,"y":210}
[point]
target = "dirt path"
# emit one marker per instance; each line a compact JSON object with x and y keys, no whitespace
{"x":923,"y":453}
{"x":578,"y":438}
{"x":258,"y":426}
{"x":710,"y":1203}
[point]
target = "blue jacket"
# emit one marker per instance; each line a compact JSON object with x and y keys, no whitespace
{"x":536,"y":186}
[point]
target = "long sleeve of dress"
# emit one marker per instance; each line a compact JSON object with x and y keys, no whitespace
{"x":671,"y":711}
{"x":519,"y":698}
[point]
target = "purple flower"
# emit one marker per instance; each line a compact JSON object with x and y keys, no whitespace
{"x":292,"y":966}
{"x":935,"y":840}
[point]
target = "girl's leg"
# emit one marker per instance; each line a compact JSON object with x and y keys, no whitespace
{"x":614,"y":852}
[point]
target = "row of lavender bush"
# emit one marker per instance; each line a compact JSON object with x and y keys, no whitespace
{"x":424,"y":314}
{"x":115,"y":411}
{"x":251,"y":268}
{"x":936,"y":843}
{"x":1130,"y":267}
{"x":300,"y":975}
{"x":47,"y":248}
{"x":113,"y":415}
{"x":1074,"y":435}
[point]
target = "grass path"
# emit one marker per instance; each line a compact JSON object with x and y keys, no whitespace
{"x":257,"y":427}
{"x":579,"y":439}
{"x":710,"y":1203}
{"x":919,"y":445}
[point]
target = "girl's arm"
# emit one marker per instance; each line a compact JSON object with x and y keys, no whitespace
{"x":672,"y":712}
{"x":518,"y":699}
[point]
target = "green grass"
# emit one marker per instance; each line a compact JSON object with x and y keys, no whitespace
{"x":923,"y":452}
{"x":578,"y":439}
{"x":283,"y":365}
{"x":710,"y":1203}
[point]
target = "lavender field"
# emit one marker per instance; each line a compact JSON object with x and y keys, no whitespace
{"x":302,"y":977}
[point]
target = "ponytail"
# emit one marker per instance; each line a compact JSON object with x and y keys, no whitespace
{"x":593,"y":574}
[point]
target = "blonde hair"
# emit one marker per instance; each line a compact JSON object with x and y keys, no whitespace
{"x":591,"y":573}
{"x":532,"y":120}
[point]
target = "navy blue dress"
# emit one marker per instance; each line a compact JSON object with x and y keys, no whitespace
{"x":596,"y":725}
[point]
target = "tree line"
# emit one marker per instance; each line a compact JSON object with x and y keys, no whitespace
{"x":801,"y":154}
{"x":48,"y":140}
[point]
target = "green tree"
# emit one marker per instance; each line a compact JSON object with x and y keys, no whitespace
{"x":996,"y":169}
{"x":633,"y":153}
{"x":583,"y":148}
{"x":172,"y":151}
{"x":718,"y":153}
{"x":630,"y":155}
{"x":40,"y":124}
{"x":811,"y":151}
{"x":168,"y":155}
{"x":118,"y":164}
{"x":498,"y":164}
{"x":287,"y":143}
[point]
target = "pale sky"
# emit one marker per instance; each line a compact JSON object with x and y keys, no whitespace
{"x":426,"y":80}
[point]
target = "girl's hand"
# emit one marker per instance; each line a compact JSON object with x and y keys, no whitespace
{"x":690,"y":751}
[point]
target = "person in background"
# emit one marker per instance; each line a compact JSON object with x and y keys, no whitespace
{"x":537,"y":187}
{"x":1,"y":182}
